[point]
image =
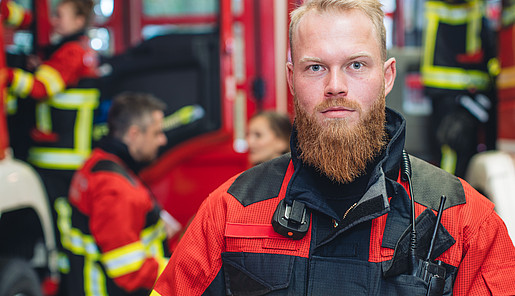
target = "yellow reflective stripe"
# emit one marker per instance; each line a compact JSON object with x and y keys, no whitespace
{"x":57,"y":158}
{"x":468,"y":14}
{"x":449,"y":159}
{"x":154,"y":293}
{"x":72,"y":238}
{"x":455,"y":78}
{"x":75,"y":98}
{"x":11,"y":102}
{"x":51,"y":79}
{"x":124,"y":260}
{"x":152,"y":238}
{"x":16,"y":14}
{"x":82,"y":100}
{"x":506,"y":78}
{"x":84,"y":120}
{"x":508,"y":15}
{"x":43,"y":117}
{"x":22,"y":83}
{"x":430,"y":39}
{"x":453,"y":14}
{"x":94,"y":279}
{"x":473,"y":42}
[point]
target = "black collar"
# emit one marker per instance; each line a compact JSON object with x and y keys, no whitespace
{"x":120,"y":149}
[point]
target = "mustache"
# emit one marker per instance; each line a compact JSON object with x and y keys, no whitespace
{"x":338,"y":102}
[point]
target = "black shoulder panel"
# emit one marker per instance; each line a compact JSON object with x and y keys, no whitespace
{"x":261,"y":182}
{"x":105,"y":165}
{"x":430,"y":182}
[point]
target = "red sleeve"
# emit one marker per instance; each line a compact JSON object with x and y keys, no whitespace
{"x":116,"y":220}
{"x":197,"y":259}
{"x":488,"y":264}
{"x":65,"y":67}
{"x":8,"y":7}
{"x":68,"y":60}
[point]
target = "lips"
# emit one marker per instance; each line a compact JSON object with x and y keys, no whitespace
{"x":338,"y":109}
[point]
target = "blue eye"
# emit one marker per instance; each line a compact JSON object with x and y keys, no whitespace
{"x":356,"y":65}
{"x":315,"y":68}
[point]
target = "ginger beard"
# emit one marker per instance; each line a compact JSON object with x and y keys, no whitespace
{"x":338,"y":150}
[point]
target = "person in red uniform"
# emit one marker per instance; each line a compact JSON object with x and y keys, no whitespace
{"x":114,"y":231}
{"x":335,"y":216}
{"x":66,"y":62}
{"x":14,"y":15}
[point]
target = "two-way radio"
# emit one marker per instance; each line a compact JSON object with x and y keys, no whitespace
{"x":431,"y":272}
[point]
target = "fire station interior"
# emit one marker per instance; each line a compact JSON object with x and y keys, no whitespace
{"x":184,"y":68}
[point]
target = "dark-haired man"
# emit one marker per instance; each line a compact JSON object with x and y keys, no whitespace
{"x":114,"y":230}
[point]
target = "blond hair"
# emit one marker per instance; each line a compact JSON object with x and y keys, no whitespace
{"x":372,"y":8}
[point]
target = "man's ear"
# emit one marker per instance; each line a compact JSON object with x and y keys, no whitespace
{"x":131,"y":134}
{"x":289,"y":77}
{"x":390,"y":72}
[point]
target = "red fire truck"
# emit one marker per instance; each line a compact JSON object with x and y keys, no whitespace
{"x":214,"y":62}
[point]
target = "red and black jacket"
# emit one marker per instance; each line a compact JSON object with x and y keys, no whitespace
{"x":113,"y":232}
{"x":231,"y":247}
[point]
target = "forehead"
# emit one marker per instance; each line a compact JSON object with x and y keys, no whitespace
{"x":346,"y":27}
{"x":66,"y":7}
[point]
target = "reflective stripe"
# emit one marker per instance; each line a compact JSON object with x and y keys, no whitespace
{"x":154,"y":293}
{"x":94,"y":279}
{"x":16,"y":14}
{"x":449,"y":159}
{"x":43,"y":117}
{"x":75,"y":98}
{"x":454,"y":14}
{"x":153,"y":237}
{"x":57,"y":158}
{"x":117,"y":262}
{"x":51,"y":79}
{"x":124,"y":260}
{"x":455,"y":78}
{"x":469,"y":15}
{"x":82,"y":100}
{"x":508,"y":15}
{"x":11,"y":102}
{"x":451,"y":13}
{"x":72,"y":238}
{"x":22,"y":83}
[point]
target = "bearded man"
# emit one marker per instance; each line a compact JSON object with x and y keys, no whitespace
{"x":333,"y":217}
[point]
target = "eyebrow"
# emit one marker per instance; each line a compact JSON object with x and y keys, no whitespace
{"x":310,"y":59}
{"x":361,"y":54}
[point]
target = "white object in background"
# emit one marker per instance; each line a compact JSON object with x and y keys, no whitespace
{"x":493,"y":173}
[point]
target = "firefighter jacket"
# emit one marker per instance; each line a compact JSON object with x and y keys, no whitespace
{"x":64,"y":111}
{"x":458,"y":48}
{"x":356,"y":242}
{"x":14,"y":15}
{"x":112,"y":230}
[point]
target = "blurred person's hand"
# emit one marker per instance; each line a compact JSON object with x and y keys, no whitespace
{"x":172,"y":226}
{"x":33,"y":61}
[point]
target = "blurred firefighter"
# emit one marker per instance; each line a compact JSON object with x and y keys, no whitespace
{"x":14,"y":15}
{"x":114,"y":231}
{"x":60,"y":136}
{"x":459,"y":67}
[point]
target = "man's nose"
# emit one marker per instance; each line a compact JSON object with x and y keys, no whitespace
{"x":336,"y":83}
